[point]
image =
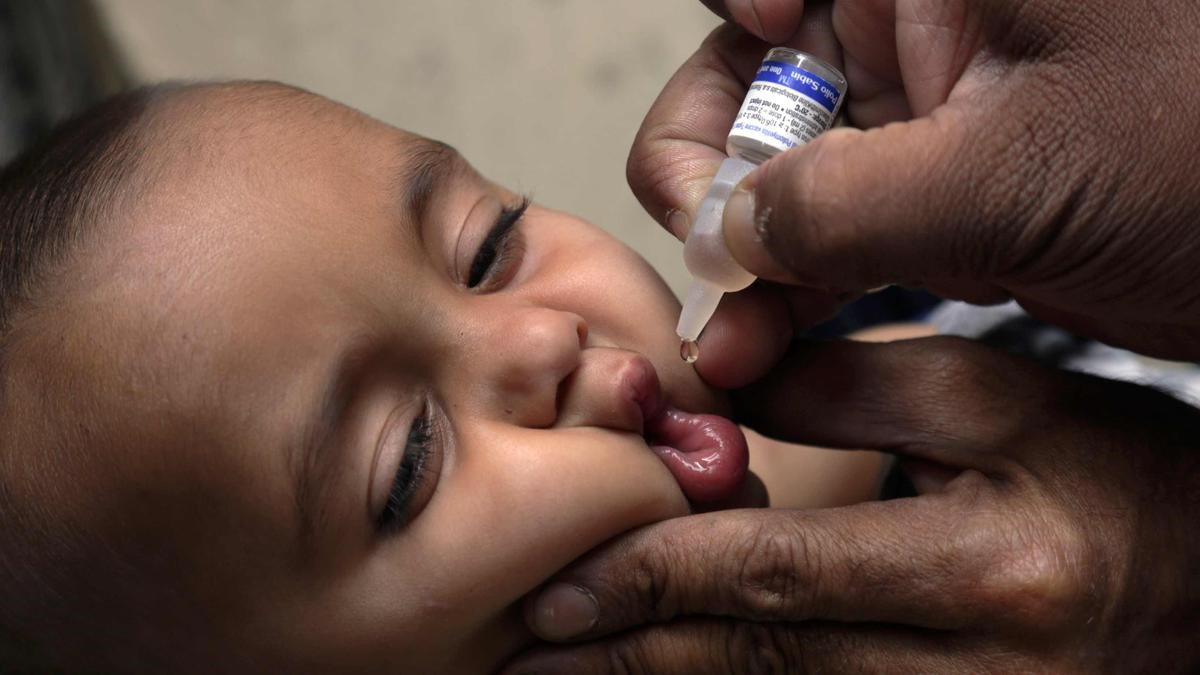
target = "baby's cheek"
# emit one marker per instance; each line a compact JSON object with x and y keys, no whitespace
{"x":514,"y":507}
{"x":553,"y":501}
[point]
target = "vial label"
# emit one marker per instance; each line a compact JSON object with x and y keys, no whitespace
{"x":785,"y":107}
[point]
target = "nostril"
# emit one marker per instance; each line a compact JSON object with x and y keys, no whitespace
{"x":542,"y":348}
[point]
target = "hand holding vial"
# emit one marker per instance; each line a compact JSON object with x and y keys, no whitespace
{"x":1039,"y":150}
{"x":795,"y":97}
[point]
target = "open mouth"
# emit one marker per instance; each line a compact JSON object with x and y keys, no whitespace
{"x":707,"y":454}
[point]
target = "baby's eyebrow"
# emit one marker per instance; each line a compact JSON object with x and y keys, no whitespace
{"x":311,"y":458}
{"x":427,"y":166}
{"x":316,"y":464}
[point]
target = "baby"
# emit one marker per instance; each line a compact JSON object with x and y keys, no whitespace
{"x":285,"y":389}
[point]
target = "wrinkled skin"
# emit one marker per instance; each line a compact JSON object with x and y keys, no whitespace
{"x":1055,"y":532}
{"x":1040,"y":149}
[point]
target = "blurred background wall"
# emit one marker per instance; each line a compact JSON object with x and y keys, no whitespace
{"x":543,"y":96}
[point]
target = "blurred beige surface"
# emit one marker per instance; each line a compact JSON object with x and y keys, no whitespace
{"x":542,"y":95}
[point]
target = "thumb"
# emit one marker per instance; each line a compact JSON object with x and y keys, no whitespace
{"x":782,"y":565}
{"x":914,"y":202}
{"x":772,"y":21}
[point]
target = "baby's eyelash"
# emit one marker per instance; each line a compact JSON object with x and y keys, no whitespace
{"x":410,"y":475}
{"x":497,"y":246}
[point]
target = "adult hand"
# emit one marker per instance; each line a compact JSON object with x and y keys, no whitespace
{"x":1055,"y":532}
{"x":1039,"y":149}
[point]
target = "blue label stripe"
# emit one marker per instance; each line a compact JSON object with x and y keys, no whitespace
{"x":799,"y":80}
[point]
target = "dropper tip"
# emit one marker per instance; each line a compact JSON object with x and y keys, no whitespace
{"x":698,"y":306}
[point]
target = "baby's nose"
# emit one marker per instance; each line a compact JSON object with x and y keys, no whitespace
{"x":531,"y":352}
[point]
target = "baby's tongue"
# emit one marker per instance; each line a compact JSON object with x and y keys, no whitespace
{"x":706,"y":453}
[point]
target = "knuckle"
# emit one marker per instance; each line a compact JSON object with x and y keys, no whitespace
{"x":653,"y":588}
{"x":769,"y":573}
{"x":1039,"y":582}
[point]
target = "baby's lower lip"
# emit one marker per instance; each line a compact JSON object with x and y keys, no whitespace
{"x":707,"y":454}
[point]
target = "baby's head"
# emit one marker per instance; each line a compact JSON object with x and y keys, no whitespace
{"x":282,"y":386}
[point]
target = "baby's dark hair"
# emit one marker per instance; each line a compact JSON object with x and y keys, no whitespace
{"x":52,"y":198}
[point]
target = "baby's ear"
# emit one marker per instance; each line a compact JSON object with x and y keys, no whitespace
{"x":751,"y":331}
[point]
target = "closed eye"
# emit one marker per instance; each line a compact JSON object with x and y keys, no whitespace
{"x":498,"y":249}
{"x":416,"y":473}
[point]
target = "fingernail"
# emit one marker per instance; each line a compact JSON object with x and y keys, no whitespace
{"x":678,"y":223}
{"x":748,"y":236}
{"x":564,"y":611}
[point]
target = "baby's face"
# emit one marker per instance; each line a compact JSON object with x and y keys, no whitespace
{"x":349,"y":404}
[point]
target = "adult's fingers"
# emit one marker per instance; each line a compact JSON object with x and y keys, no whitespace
{"x":770,"y":20}
{"x":749,"y":333}
{"x":941,"y":399}
{"x":1177,"y":341}
{"x":910,"y":562}
{"x":682,"y":140}
{"x":954,"y":195}
{"x":752,"y":330}
{"x":721,"y":647}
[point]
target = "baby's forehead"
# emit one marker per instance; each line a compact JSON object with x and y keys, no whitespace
{"x":244,"y":152}
{"x":239,"y":184}
{"x":258,"y":199}
{"x":264,"y":121}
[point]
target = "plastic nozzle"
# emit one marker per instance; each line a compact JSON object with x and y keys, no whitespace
{"x":698,"y":307}
{"x":713,"y":269}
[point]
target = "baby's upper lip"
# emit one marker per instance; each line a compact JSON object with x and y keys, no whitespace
{"x":641,"y":379}
{"x":611,"y":388}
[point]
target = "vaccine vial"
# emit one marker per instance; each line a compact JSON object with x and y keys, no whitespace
{"x":793,"y":99}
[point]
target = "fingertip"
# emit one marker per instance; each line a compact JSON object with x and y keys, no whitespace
{"x":748,"y":334}
{"x":748,"y":239}
{"x":773,"y":21}
{"x":794,"y":211}
{"x":561,"y":612}
{"x":678,"y":223}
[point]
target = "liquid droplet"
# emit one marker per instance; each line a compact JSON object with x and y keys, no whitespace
{"x":689,"y":351}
